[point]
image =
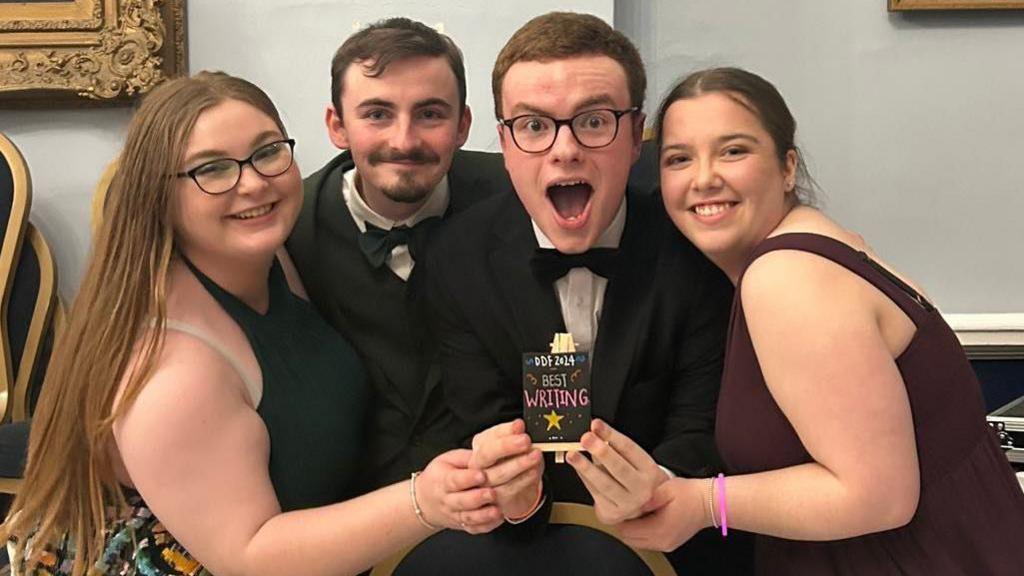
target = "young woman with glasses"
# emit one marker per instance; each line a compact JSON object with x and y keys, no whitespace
{"x":198,"y":414}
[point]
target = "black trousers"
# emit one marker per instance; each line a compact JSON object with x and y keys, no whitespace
{"x":565,"y":549}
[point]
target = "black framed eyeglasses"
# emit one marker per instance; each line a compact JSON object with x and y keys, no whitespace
{"x":536,"y":133}
{"x":219,"y":176}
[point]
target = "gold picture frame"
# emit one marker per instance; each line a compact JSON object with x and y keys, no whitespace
{"x":88,"y":52}
{"x":904,"y":5}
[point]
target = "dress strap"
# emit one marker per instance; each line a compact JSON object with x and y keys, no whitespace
{"x":255,"y":389}
{"x":277,"y":285}
{"x":912,"y":303}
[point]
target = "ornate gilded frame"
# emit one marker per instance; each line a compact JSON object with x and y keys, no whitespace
{"x":88,"y":51}
{"x":904,"y":5}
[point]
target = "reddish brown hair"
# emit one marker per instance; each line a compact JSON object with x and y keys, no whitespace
{"x":561,"y":35}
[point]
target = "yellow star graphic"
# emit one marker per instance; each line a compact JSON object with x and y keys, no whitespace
{"x":553,"y":420}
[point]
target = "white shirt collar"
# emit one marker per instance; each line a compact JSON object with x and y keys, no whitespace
{"x":436,"y":205}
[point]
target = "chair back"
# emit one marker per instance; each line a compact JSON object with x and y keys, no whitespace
{"x":29,"y":323}
{"x":99,"y":195}
{"x":15,"y":202}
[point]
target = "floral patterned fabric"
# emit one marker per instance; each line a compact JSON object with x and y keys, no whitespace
{"x":138,"y":545}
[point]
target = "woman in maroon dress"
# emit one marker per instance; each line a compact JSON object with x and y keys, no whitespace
{"x":849,"y":419}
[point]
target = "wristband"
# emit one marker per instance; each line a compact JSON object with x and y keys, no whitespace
{"x":533,"y":509}
{"x":416,"y":505}
{"x":722,"y":504}
{"x":667,"y":472}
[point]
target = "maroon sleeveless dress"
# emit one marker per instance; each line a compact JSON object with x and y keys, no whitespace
{"x":970,"y":518}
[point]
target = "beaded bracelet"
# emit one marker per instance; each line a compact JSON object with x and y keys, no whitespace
{"x":711,"y":501}
{"x":416,"y":505}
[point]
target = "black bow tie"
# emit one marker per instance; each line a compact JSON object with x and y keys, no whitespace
{"x":377,"y":243}
{"x":549,"y":265}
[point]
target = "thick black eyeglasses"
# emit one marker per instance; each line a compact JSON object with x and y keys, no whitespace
{"x":219,"y":176}
{"x":536,"y":133}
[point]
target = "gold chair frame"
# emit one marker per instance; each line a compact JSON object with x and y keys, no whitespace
{"x":48,"y":311}
{"x":99,"y":196}
{"x":43,"y":314}
{"x":10,"y":251}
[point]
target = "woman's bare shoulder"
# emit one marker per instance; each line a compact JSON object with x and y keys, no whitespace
{"x":188,"y":379}
{"x":189,"y":304}
{"x":802,"y":279}
{"x":202,"y":344}
{"x":805,"y":219}
{"x":813,"y":221}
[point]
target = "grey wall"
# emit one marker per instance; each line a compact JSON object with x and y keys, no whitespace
{"x":285,"y":46}
{"x":66,"y":151}
{"x":912,"y":124}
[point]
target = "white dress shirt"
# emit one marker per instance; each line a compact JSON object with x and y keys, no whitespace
{"x":581,"y":292}
{"x":400,"y":261}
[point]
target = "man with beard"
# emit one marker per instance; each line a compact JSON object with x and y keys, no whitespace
{"x":398,"y":110}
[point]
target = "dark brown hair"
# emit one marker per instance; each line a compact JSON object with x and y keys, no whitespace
{"x":392,"y":40}
{"x":763,"y":100}
{"x":560,"y":35}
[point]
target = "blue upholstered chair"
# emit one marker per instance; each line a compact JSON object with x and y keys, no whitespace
{"x":15,"y":202}
{"x":29,"y":308}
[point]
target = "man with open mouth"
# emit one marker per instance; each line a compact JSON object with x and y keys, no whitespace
{"x":575,"y":251}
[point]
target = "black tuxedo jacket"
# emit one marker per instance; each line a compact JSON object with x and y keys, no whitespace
{"x":657,"y":359}
{"x":381,"y":315}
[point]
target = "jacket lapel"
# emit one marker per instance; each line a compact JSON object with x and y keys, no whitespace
{"x":336,"y":220}
{"x":461,"y":186}
{"x":533,"y":304}
{"x":626,"y":311}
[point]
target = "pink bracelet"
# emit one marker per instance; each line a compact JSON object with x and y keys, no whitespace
{"x":721,"y":504}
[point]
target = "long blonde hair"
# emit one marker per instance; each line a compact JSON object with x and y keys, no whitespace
{"x":69,"y":480}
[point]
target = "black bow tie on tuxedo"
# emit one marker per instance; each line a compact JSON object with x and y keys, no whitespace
{"x":377,"y":243}
{"x":549,"y":265}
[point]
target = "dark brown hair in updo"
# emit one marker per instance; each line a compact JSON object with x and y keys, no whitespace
{"x":763,"y":100}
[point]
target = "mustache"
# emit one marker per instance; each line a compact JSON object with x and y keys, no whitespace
{"x":416,"y":155}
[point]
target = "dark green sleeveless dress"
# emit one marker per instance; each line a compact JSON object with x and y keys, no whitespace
{"x":314,"y":399}
{"x":314,"y":394}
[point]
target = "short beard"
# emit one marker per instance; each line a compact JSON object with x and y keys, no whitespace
{"x":406,"y":191}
